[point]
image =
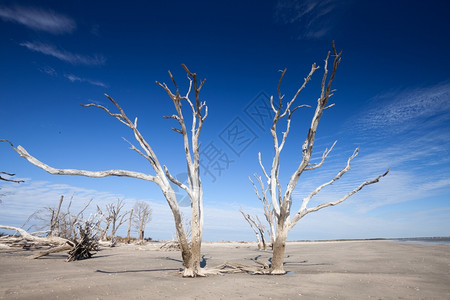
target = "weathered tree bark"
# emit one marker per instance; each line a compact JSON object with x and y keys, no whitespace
{"x":279,"y":248}
{"x":46,"y":240}
{"x":279,"y":205}
{"x":129,"y":226}
{"x":190,"y":250}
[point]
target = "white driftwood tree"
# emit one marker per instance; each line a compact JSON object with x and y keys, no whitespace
{"x":277,"y":204}
{"x":258,"y":228}
{"x":114,"y":218}
{"x":142,"y":215}
{"x":268,"y":213}
{"x":190,"y":250}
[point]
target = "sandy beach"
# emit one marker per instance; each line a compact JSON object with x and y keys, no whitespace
{"x":317,"y":270}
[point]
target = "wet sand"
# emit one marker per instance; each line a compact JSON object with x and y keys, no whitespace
{"x":318,"y":270}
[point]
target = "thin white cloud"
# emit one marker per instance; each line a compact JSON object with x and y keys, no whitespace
{"x":419,"y":168}
{"x":74,"y":78}
{"x":63,"y":55}
{"x":23,"y":200}
{"x":38,"y":19}
{"x":49,"y":71}
{"x":311,"y":16}
{"x":400,"y":111}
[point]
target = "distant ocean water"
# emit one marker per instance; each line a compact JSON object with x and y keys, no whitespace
{"x":426,"y":240}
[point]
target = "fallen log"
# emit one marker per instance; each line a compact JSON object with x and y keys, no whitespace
{"x":29,"y":237}
{"x":78,"y":249}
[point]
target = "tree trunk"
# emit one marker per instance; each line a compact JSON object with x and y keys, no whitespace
{"x":191,"y":262}
{"x":279,"y":247}
{"x":55,"y":218}
{"x":263,"y":241}
{"x":129,"y":227}
{"x":190,"y":251}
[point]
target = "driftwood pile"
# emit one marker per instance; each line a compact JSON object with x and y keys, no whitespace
{"x":173,"y":245}
{"x":83,"y":247}
{"x":79,"y":248}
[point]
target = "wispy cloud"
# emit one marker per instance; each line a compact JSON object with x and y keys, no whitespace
{"x":49,"y":71}
{"x":399,"y":111}
{"x":312,"y":16}
{"x":74,"y":78}
{"x":23,"y":200}
{"x":38,"y":19}
{"x":419,"y":166}
{"x":63,"y":55}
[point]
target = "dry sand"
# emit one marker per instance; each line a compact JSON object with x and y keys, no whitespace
{"x":320,"y":270}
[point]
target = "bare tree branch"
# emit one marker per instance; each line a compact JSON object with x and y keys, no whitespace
{"x":98,"y":174}
{"x":257,"y":228}
{"x":337,"y":177}
{"x":10,"y":180}
{"x":324,"y":156}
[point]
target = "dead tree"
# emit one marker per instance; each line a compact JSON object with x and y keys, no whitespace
{"x":268,"y":213}
{"x":80,"y":247}
{"x":113,"y":218}
{"x":54,"y":222}
{"x":68,"y":222}
{"x":190,"y":250}
{"x":258,"y":229}
{"x":129,"y":226}
{"x":86,"y":242}
{"x":117,"y":218}
{"x":50,"y":240}
{"x":142,"y":215}
{"x":63,"y":230}
{"x":281,"y":202}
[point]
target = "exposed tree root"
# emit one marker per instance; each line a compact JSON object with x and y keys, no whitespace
{"x":231,"y":268}
{"x":227,"y":267}
{"x":78,"y":249}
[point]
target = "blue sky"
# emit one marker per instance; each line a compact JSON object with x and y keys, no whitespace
{"x":392,"y":100}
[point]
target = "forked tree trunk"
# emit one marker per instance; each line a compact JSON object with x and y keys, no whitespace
{"x":277,"y":204}
{"x":190,"y":251}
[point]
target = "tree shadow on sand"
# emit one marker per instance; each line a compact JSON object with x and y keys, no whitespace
{"x":202,"y":265}
{"x":202,"y":262}
{"x":136,"y":271}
